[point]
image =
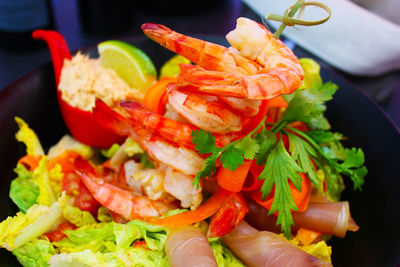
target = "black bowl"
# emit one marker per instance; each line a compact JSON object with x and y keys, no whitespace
{"x":376,"y":209}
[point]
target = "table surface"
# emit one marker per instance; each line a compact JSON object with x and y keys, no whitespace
{"x":214,"y":17}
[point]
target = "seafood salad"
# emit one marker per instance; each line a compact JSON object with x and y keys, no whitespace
{"x":223,"y":159}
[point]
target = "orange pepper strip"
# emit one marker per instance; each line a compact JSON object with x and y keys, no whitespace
{"x":207,"y":209}
{"x":156,"y":96}
{"x":306,"y":236}
{"x":301,"y":199}
{"x":30,"y":161}
{"x":233,"y":180}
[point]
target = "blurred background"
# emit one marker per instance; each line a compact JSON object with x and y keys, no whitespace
{"x":87,"y":22}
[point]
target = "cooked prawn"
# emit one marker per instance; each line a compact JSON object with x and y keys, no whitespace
{"x":257,"y":66}
{"x":159,"y":148}
{"x":181,"y":186}
{"x":206,"y":112}
{"x":174,"y":131}
{"x":118,"y":199}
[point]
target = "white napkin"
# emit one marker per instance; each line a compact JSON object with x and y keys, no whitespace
{"x":354,"y":39}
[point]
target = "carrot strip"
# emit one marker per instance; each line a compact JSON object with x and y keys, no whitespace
{"x":156,"y":95}
{"x":207,"y":209}
{"x":233,"y":180}
{"x":301,"y":198}
{"x":30,"y":161}
{"x":306,"y":236}
{"x":252,"y":182}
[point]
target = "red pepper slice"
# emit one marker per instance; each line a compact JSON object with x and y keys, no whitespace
{"x":80,"y":123}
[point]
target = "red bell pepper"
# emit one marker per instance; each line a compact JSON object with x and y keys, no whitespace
{"x":80,"y":123}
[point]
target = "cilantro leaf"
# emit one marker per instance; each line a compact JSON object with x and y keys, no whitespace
{"x":145,"y":161}
{"x":324,"y":137}
{"x":279,"y":169}
{"x":204,"y":142}
{"x":302,"y":152}
{"x":267,"y":140}
{"x":308,"y":106}
{"x":207,"y":170}
{"x":249,"y":146}
{"x":232,"y":158}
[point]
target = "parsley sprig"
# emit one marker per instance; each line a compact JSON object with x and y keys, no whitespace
{"x":318,"y":149}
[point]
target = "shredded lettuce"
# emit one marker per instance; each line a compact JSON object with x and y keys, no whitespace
{"x":78,"y":217}
{"x":55,"y":178}
{"x":107,"y":237}
{"x":223,"y":255}
{"x":35,"y":253}
{"x":104,"y":215}
{"x":23,"y":190}
{"x":120,"y":258}
{"x":41,"y":178}
{"x":38,"y":219}
{"x":132,"y":148}
{"x":108,"y":153}
{"x":29,"y":138}
{"x":67,"y":142}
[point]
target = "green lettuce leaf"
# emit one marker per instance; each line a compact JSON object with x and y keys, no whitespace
{"x":23,"y":190}
{"x":119,"y":258}
{"x":78,"y":217}
{"x":35,"y":253}
{"x":29,"y":138}
{"x":108,"y":153}
{"x":108,"y":237}
{"x":22,"y":228}
{"x":41,"y":177}
{"x":154,"y":235}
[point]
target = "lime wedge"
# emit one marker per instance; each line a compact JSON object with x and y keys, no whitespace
{"x":171,"y":67}
{"x":129,"y":62}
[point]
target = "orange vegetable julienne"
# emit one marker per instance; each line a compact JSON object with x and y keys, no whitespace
{"x":306,"y":236}
{"x":301,"y":199}
{"x":156,"y":95}
{"x":30,"y":161}
{"x":233,"y":180}
{"x":252,"y":182}
{"x":206,"y":210}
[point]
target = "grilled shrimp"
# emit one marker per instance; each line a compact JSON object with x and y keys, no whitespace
{"x":163,"y":183}
{"x":181,"y":186}
{"x":118,"y":199}
{"x":257,"y":66}
{"x":206,"y":112}
{"x":174,"y":131}
{"x":178,"y":157}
